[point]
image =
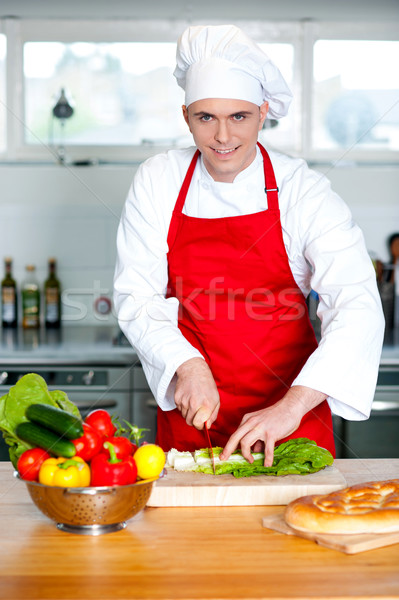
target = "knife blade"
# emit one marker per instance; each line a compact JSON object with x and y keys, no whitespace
{"x":208,"y":439}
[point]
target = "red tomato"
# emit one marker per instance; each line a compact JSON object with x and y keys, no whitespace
{"x":123,"y":447}
{"x":101,"y":421}
{"x":89,"y":444}
{"x":29,"y":463}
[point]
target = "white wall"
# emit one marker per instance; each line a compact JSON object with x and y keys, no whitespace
{"x":69,"y":213}
{"x":73,"y":214}
{"x":372,"y":193}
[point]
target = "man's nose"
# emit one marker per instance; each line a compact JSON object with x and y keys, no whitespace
{"x":222,"y":132}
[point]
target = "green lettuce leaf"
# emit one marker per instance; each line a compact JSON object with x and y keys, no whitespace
{"x":298,"y":456}
{"x":30,"y":389}
{"x":61,"y":400}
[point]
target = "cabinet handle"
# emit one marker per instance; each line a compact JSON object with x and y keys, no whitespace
{"x":380,"y":405}
{"x":88,"y":377}
{"x":96,"y":404}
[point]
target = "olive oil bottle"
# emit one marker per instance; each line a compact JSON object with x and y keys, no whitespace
{"x":9,"y":312}
{"x":30,"y":300}
{"x":52,"y":297}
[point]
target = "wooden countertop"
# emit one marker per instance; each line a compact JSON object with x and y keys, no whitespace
{"x":185,"y":553}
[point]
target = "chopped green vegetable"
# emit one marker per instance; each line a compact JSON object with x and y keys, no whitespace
{"x":298,"y":456}
{"x":30,"y":389}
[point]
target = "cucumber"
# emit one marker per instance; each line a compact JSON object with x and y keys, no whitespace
{"x":46,"y":439}
{"x":55,"y":419}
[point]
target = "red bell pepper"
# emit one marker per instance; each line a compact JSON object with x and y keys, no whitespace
{"x":101,"y":420}
{"x":89,"y":444}
{"x":112,"y":470}
{"x":122,"y":445}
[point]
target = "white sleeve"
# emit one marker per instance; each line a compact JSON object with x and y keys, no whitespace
{"x":345,"y":365}
{"x":147,"y":318}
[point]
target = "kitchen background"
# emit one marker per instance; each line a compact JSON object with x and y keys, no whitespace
{"x":72,"y":212}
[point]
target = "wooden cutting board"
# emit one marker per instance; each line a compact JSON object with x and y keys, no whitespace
{"x":350,"y":544}
{"x":197,"y":489}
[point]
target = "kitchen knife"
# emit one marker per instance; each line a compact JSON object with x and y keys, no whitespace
{"x":208,"y":439}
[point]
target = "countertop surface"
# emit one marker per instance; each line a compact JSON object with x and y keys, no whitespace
{"x":71,"y":344}
{"x":191,"y":553}
{"x":85,"y":344}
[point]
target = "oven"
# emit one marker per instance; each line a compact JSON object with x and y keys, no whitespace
{"x":88,"y":386}
{"x":378,"y":437}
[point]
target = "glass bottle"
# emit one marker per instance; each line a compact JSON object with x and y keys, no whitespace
{"x":9,"y":313}
{"x":30,"y":300}
{"x":52,"y":297}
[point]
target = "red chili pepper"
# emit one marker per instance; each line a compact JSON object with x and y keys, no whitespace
{"x":89,"y":444}
{"x":123,"y":446}
{"x":112,"y":471}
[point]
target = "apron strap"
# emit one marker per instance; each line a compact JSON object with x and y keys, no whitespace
{"x":181,"y":198}
{"x":271,"y":189}
{"x":174,"y":224}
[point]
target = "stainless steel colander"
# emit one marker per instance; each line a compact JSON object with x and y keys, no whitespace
{"x":90,"y":510}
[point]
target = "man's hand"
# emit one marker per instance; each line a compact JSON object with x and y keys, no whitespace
{"x":196,"y":394}
{"x":265,"y":427}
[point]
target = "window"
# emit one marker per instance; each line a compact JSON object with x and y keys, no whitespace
{"x":122,"y":94}
{"x":126,"y":103}
{"x":356,"y":95}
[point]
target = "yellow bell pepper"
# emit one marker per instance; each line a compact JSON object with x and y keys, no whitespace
{"x":65,"y":472}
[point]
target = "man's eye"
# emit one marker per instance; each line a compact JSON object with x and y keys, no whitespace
{"x":238,"y":117}
{"x":206,"y":118}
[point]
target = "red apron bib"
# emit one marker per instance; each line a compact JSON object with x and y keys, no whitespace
{"x":242,"y":309}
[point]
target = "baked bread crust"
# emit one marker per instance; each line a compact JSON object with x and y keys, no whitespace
{"x":371,"y":507}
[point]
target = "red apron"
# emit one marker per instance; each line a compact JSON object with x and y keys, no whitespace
{"x":242,"y":309}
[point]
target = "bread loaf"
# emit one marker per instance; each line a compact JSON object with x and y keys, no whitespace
{"x":371,"y":507}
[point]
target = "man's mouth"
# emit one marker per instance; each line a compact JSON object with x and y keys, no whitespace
{"x":224,"y":151}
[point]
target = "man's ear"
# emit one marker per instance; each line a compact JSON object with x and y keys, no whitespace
{"x":263,"y":110}
{"x":185,"y":115}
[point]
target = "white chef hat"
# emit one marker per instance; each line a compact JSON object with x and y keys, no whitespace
{"x":221,"y":61}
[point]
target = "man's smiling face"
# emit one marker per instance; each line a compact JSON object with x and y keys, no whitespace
{"x":225,"y":132}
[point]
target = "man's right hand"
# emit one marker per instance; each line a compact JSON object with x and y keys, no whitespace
{"x":196,"y":394}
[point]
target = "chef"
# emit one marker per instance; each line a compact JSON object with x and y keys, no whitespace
{"x":218,"y":247}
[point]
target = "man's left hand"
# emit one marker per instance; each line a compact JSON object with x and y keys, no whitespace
{"x":265,"y":427}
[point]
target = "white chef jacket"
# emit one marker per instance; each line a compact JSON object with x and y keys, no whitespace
{"x":326,"y":253}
